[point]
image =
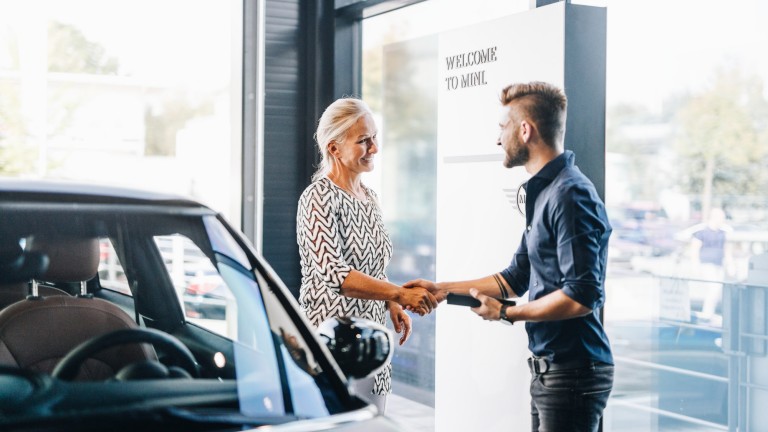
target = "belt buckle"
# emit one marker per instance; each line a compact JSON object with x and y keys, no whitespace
{"x":539,"y":365}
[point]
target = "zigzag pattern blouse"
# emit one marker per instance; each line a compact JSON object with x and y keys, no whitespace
{"x":337,"y":233}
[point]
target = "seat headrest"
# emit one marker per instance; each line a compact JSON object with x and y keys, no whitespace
{"x":71,"y":259}
{"x":17,"y":265}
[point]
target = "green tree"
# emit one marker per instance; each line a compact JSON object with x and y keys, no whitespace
{"x":70,"y":51}
{"x":14,"y":157}
{"x":167,"y":118}
{"x":722,"y":139}
{"x":621,"y":136}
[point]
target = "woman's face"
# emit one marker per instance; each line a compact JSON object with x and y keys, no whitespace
{"x":355,"y":153}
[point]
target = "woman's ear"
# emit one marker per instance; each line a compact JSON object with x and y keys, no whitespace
{"x":333,"y":149}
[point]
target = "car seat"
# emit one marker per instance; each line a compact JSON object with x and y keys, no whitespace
{"x":35,"y":333}
{"x":17,"y":268}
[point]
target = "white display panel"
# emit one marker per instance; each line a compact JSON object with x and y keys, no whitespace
{"x":481,"y":373}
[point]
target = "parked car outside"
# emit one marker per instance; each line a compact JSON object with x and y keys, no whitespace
{"x":94,"y":334}
{"x":641,"y":230}
{"x":206,"y":296}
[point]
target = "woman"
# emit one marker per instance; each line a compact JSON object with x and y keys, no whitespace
{"x":343,"y":245}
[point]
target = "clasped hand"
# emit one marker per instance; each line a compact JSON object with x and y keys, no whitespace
{"x":428,"y":285}
{"x":418,"y":300}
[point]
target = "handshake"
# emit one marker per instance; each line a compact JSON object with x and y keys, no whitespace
{"x":420,"y":296}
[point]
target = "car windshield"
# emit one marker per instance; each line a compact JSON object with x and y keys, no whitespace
{"x":176,"y":270}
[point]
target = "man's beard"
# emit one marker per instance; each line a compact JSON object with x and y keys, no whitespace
{"x":520,"y":157}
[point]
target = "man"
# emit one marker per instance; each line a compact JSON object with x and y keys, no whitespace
{"x":713,"y":260}
{"x":561,"y":262}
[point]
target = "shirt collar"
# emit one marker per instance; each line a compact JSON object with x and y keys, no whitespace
{"x":553,"y":167}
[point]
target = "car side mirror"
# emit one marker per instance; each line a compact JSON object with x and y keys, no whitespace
{"x":360,"y":347}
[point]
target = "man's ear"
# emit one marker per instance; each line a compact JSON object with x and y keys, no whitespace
{"x":526,"y":130}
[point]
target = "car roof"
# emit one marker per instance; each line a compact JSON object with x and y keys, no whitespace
{"x":91,"y":193}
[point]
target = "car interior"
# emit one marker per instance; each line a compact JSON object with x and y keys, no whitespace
{"x":70,"y":348}
{"x":40,"y":330}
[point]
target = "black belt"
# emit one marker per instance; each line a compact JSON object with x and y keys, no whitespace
{"x":540,"y":365}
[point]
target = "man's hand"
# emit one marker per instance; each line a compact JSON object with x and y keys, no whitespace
{"x":400,"y":320}
{"x":429,"y":286}
{"x":490,"y":307}
{"x":417,"y":300}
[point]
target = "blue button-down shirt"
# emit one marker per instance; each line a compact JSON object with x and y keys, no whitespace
{"x":564,"y":247}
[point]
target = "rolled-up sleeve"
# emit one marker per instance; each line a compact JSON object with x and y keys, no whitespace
{"x":518,"y":273}
{"x":582,"y":235}
{"x":317,"y":234}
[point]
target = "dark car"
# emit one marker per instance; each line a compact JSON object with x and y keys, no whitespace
{"x":94,"y":284}
{"x":641,"y":230}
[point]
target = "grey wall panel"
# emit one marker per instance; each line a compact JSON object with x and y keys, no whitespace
{"x":585,"y":74}
{"x":285,"y":173}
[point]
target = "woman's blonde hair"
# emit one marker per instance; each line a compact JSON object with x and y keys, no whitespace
{"x":334,"y":124}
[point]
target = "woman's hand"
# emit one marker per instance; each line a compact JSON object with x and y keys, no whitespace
{"x":416,"y":300}
{"x":400,"y":320}
{"x":428,"y":285}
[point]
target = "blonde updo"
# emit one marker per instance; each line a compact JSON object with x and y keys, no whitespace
{"x":334,"y":124}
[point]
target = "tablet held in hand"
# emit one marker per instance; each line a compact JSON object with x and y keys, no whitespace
{"x":468,"y":300}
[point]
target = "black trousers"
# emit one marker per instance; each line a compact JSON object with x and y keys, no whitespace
{"x":570,"y":400}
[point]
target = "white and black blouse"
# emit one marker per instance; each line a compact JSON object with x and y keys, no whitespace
{"x":337,"y":233}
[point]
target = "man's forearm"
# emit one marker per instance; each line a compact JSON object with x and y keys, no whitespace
{"x":491,"y":286}
{"x":552,"y":307}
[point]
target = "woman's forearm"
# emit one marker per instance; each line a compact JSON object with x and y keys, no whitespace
{"x":359,"y":285}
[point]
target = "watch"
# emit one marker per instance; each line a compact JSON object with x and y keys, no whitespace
{"x":503,"y":314}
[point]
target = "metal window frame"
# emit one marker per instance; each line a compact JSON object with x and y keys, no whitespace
{"x":253,"y":121}
{"x":347,"y":53}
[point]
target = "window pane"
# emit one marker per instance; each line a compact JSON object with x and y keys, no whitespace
{"x":111,"y":275}
{"x":686,"y":146}
{"x":125,"y":93}
{"x":205,"y":296}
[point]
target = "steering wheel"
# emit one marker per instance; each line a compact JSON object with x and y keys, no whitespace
{"x":68,"y":367}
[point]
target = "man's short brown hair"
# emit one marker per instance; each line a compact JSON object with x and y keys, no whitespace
{"x":543,"y":103}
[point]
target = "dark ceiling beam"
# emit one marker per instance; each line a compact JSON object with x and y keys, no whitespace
{"x":540,"y":3}
{"x":359,"y":9}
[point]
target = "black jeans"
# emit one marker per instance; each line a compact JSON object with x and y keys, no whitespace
{"x":570,"y":400}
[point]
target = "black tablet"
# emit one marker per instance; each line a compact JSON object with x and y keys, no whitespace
{"x":468,"y":300}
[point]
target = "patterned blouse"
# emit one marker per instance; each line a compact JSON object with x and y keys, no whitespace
{"x":337,"y":233}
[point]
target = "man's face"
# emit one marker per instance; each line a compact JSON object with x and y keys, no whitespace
{"x":516,"y":151}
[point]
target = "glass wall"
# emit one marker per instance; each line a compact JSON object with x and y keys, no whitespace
{"x":686,"y":142}
{"x":137,"y":93}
